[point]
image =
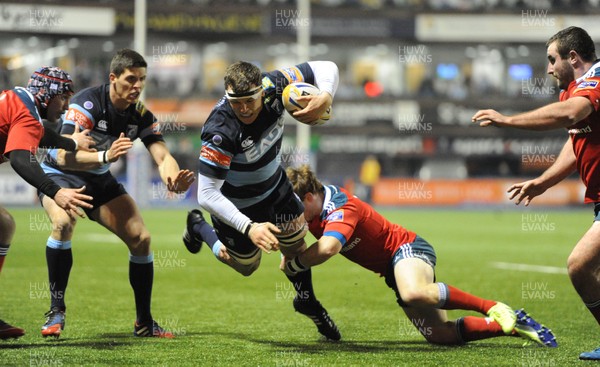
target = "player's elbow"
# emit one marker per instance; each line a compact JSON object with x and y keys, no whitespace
{"x":329,"y":246}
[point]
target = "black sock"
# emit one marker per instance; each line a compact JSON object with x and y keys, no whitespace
{"x":3,"y":251}
{"x":207,"y":232}
{"x":59,"y":264}
{"x":302,"y":283}
{"x":140,"y":278}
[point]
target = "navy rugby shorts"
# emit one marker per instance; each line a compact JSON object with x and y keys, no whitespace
{"x":103,"y":188}
{"x":418,"y":249}
{"x":281,"y":204}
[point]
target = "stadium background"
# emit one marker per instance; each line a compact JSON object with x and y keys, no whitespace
{"x":412,"y":73}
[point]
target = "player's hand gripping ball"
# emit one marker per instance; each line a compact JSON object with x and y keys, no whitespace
{"x":294,"y":90}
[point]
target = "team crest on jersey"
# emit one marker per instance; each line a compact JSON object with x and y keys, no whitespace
{"x":336,"y":216}
{"x":88,"y":105}
{"x":217,"y":140}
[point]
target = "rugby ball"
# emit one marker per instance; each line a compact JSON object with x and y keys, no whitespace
{"x":294,"y":90}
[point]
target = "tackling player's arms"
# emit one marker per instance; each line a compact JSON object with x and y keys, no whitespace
{"x":320,"y":251}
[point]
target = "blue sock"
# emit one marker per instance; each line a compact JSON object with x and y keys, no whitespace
{"x":207,"y":232}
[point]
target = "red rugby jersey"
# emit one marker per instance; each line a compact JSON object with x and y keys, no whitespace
{"x":20,"y":123}
{"x":367,"y":238}
{"x":586,"y":133}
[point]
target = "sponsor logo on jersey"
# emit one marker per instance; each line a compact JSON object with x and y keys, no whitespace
{"x":587,"y":84}
{"x":102,"y":125}
{"x":336,"y":216}
{"x":267,"y":141}
{"x":293,"y":74}
{"x":350,"y":246}
{"x":88,"y":105}
{"x":583,"y":130}
{"x":214,"y":156}
{"x":79,"y":118}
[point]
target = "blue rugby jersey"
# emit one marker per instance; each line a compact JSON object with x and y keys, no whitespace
{"x":247,"y":156}
{"x":92,"y":109}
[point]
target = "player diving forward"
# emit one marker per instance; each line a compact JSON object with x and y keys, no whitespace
{"x":242,"y":183}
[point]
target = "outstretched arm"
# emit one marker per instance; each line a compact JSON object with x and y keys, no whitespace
{"x":552,"y":116}
{"x":318,"y":253}
{"x":83,"y":161}
{"x":562,"y":168}
{"x":176,"y":180}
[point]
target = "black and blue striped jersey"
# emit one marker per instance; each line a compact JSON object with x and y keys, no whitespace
{"x":92,"y":109}
{"x":246,"y":157}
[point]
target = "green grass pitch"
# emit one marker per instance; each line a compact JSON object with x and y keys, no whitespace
{"x":224,"y":319}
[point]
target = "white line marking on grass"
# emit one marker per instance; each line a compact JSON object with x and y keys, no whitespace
{"x":101,"y":237}
{"x":112,"y":238}
{"x":530,"y":268}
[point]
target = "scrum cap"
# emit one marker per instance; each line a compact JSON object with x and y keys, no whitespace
{"x":47,"y":82}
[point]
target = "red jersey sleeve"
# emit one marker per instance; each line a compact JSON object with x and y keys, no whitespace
{"x":590,"y":89}
{"x":341,"y":223}
{"x":25,"y":131}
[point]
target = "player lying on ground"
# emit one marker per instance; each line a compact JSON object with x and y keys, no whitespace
{"x":344,"y":224}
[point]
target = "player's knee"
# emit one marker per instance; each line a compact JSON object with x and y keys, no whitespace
{"x":247,"y":270}
{"x":63,"y":226}
{"x":414,"y":297}
{"x":140,"y":242}
{"x":576,"y":266}
{"x":7,"y":225}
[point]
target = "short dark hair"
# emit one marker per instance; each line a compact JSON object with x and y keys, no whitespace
{"x":126,"y":59}
{"x":576,"y":39}
{"x":242,"y":76}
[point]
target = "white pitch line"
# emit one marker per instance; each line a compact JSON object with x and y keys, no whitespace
{"x":530,"y":268}
{"x":108,"y":237}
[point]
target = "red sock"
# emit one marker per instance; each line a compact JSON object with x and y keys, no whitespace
{"x":477,"y":328}
{"x":459,"y":300}
{"x":2,"y":262}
